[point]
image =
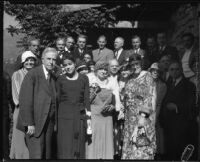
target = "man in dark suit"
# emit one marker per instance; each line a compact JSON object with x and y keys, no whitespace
{"x":151,"y":49}
{"x":60,"y":46}
{"x":164,"y":48}
{"x":81,"y":48}
{"x":102,"y":54}
{"x":178,"y":114}
{"x":34,"y":47}
{"x":119,"y":53}
{"x":37,"y":103}
{"x":136,"y":43}
{"x":64,"y":47}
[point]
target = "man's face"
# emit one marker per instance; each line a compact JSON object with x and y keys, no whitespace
{"x":113,"y":67}
{"x":154,"y":73}
{"x":187,"y":42}
{"x":136,"y":43}
{"x":151,"y":43}
{"x":118,"y":43}
{"x":164,"y":63}
{"x":81,"y":43}
{"x":161,"y":39}
{"x":69,"y":43}
{"x":101,"y":42}
{"x":49,"y":60}
{"x":175,"y":70}
{"x":34,"y":46}
{"x":60,"y":45}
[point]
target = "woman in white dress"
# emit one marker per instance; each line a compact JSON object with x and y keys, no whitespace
{"x":19,"y":149}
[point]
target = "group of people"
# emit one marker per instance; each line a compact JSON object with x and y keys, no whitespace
{"x":75,"y":103}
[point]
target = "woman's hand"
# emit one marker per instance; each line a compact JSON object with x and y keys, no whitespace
{"x":142,"y":121}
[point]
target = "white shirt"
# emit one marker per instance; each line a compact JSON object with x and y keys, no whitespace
{"x":178,"y":80}
{"x":45,"y":71}
{"x":118,"y":53}
{"x":185,"y":64}
{"x":66,"y":49}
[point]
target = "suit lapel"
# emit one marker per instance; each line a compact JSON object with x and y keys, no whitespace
{"x":44,"y":80}
{"x":121,"y":57}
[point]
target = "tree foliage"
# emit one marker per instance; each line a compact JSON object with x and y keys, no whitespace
{"x":48,"y":21}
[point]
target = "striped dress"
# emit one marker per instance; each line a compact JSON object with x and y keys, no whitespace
{"x":18,"y":149}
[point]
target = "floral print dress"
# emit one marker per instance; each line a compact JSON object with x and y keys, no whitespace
{"x":140,"y":95}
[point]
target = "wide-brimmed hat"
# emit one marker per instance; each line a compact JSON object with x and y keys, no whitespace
{"x":27,"y":54}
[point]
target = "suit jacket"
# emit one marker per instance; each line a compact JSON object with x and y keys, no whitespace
{"x":183,"y":96}
{"x":192,"y":59}
{"x":79,"y":57}
{"x":123,"y":56}
{"x":104,"y":56}
{"x":35,"y":99}
{"x":169,"y":50}
{"x":60,"y":57}
{"x":142,"y":53}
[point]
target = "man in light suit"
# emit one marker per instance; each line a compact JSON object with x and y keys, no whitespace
{"x":136,"y":43}
{"x":37,"y":104}
{"x":102,"y":54}
{"x":119,"y":53}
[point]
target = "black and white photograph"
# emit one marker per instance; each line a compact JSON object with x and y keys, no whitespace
{"x":101,"y":81}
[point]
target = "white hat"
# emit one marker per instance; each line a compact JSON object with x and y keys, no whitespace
{"x":26,"y":55}
{"x":154,"y":66}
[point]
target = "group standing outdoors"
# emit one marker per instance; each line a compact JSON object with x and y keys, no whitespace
{"x":75,"y":103}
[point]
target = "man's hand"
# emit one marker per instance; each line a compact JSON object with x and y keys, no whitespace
{"x":31,"y":130}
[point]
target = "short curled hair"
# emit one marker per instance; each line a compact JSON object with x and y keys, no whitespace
{"x":68,"y":57}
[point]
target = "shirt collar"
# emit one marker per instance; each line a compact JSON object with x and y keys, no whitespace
{"x":178,"y":80}
{"x":45,"y":71}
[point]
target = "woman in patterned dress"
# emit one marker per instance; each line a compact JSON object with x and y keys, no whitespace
{"x":139,"y":127}
{"x":19,"y":149}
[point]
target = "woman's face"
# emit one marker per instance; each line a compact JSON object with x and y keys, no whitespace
{"x":155,"y":73}
{"x":102,"y":74}
{"x":29,"y":63}
{"x":136,"y":67}
{"x":69,"y":66}
{"x":126,"y":74}
{"x":87,"y":58}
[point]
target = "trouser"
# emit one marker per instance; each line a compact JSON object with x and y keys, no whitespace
{"x":41,"y":147}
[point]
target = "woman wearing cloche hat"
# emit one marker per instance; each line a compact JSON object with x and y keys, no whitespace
{"x":18,"y":147}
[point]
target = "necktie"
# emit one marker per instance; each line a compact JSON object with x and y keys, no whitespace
{"x":116,"y":54}
{"x":173,"y":83}
{"x":99,"y":52}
